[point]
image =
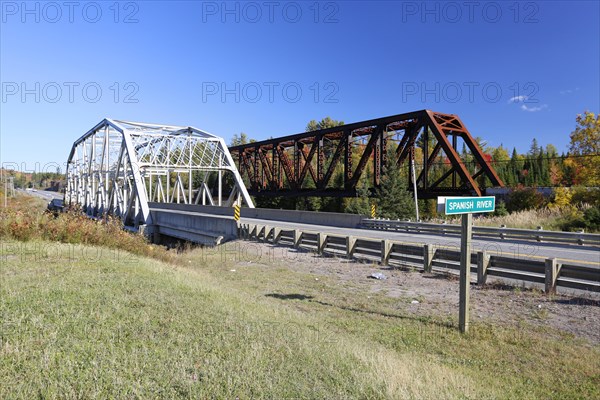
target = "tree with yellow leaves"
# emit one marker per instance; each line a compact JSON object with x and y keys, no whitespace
{"x":584,"y":150}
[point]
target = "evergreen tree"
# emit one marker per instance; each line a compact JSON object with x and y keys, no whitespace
{"x":535,"y":148}
{"x":394,"y":199}
{"x":515,"y":167}
{"x":361,"y":204}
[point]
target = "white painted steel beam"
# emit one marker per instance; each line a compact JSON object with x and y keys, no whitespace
{"x":118,"y":167}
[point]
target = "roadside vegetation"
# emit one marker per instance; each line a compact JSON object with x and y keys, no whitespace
{"x":568,"y":209}
{"x":25,"y":220}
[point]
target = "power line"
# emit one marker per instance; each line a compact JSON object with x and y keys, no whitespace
{"x":524,"y":160}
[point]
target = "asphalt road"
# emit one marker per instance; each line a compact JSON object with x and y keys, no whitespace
{"x":44,"y":194}
{"x":509,"y":248}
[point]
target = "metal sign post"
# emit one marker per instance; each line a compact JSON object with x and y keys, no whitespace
{"x":466,"y":206}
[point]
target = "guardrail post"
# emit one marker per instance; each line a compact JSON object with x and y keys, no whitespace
{"x":552,"y":271}
{"x":483,"y":262}
{"x":502,"y":234}
{"x":297,"y":238}
{"x":386,"y":249}
{"x":321,"y":242}
{"x":539,"y":237}
{"x":580,"y":239}
{"x":428,"y":254}
{"x":276,"y":235}
{"x":350,"y":245}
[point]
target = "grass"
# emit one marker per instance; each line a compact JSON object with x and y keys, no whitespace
{"x":89,"y":322}
{"x":80,"y":328}
{"x":25,"y":220}
{"x":95,"y":317}
{"x":551,"y":219}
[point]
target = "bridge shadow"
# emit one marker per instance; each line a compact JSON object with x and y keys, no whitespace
{"x":579,"y":301}
{"x":297,"y":296}
{"x":291,"y":296}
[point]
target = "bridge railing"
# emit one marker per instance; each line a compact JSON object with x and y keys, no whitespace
{"x":484,"y":232}
{"x":550,"y":273}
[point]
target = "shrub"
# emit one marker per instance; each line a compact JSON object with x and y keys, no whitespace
{"x":524,"y":199}
{"x":562,"y":197}
{"x":25,"y":224}
{"x":500,"y":210}
{"x":585,"y":195}
{"x":591,"y":218}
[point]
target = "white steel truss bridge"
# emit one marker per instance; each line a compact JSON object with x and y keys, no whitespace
{"x":120,"y":167}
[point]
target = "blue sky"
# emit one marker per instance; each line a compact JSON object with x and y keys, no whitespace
{"x":511,"y":70}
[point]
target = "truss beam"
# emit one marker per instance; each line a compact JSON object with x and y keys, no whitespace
{"x":119,"y":167}
{"x":312,"y":160}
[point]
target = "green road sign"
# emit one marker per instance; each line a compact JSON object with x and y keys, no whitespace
{"x":469,"y":205}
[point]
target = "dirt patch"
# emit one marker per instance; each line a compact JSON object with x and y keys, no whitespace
{"x":436,"y":295}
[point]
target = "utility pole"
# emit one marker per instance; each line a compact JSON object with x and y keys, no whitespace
{"x":414,"y":179}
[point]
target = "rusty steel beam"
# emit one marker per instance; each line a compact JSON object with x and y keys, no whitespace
{"x":441,"y":171}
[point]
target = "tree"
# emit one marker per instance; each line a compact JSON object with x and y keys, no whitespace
{"x":551,"y":150}
{"x":535,"y":148}
{"x":325,"y":123}
{"x":361,"y":204}
{"x":394,"y":199}
{"x":584,"y":150}
{"x":240,"y":139}
{"x":524,"y":199}
{"x":515,"y":168}
{"x":500,"y":155}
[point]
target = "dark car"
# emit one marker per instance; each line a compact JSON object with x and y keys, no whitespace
{"x":56,"y":206}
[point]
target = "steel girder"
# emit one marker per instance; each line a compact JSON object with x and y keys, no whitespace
{"x":119,"y":167}
{"x":305,"y":164}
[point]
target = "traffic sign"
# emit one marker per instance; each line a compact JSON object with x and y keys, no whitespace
{"x":466,"y":206}
{"x":469,"y":205}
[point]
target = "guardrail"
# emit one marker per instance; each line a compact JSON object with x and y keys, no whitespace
{"x":484,"y":232}
{"x":429,"y":258}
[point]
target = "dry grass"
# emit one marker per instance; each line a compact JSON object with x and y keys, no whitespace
{"x":76,"y":327}
{"x":24,"y":220}
{"x":94,"y":328}
{"x":549,"y":218}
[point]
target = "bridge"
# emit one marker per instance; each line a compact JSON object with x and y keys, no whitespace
{"x":182,"y":182}
{"x":120,"y":167}
{"x":305,"y":164}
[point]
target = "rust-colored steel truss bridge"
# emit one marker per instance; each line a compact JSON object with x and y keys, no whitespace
{"x":313,"y":163}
